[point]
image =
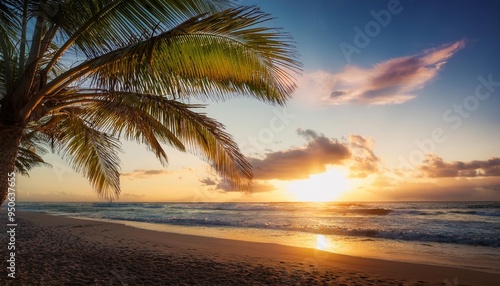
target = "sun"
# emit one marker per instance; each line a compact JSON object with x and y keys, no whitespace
{"x":324,"y":187}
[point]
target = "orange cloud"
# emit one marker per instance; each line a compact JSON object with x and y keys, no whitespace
{"x":364,"y":160}
{"x":299,"y":163}
{"x":315,"y":156}
{"x":222,"y":185}
{"x":142,"y":174}
{"x":442,"y":189}
{"x":435,"y":167}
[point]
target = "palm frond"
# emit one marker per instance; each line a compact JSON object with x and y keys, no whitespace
{"x":142,"y":59}
{"x":97,"y":27}
{"x":125,"y":114}
{"x":210,"y":57}
{"x":174,"y":123}
{"x":88,"y":150}
{"x":9,"y":16}
{"x":9,"y":28}
{"x":3,"y":80}
{"x":30,"y":151}
{"x":28,"y":159}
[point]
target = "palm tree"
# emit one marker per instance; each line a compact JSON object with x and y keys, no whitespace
{"x":78,"y":75}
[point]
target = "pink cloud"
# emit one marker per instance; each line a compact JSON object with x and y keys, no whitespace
{"x":435,"y":167}
{"x":393,"y":81}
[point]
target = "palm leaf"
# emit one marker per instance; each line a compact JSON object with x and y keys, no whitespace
{"x":9,"y":17}
{"x":30,"y":151}
{"x":155,"y":119}
{"x":88,"y":150}
{"x":142,"y":60}
{"x":211,"y":56}
{"x":9,"y":28}
{"x":124,"y":115}
{"x":97,"y":27}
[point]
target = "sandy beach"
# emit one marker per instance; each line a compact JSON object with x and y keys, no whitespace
{"x":56,"y":250}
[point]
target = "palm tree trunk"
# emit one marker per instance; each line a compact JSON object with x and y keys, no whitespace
{"x":10,"y":138}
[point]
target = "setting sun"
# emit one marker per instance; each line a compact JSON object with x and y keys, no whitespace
{"x":324,"y":187}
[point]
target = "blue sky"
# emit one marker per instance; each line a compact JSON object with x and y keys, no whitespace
{"x":393,"y":104}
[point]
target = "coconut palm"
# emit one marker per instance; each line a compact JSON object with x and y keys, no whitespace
{"x":76,"y":76}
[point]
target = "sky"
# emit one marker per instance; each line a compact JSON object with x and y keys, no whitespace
{"x":397,"y":101}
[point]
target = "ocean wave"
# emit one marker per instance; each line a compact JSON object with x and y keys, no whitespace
{"x":492,"y":213}
{"x":488,"y":213}
{"x":231,"y":207}
{"x":479,"y":213}
{"x":464,"y":239}
{"x":376,"y":211}
{"x":367,"y":233}
{"x":454,"y":223}
{"x":113,"y":205}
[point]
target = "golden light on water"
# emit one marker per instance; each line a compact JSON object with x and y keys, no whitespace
{"x":321,"y":242}
{"x":324,"y":187}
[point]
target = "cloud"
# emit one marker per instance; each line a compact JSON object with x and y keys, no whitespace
{"x":393,"y":81}
{"x":313,"y":158}
{"x":435,"y":167}
{"x":257,"y":187}
{"x":299,"y":163}
{"x":143,"y":174}
{"x":460,"y":189}
{"x":208,"y":182}
{"x":365,"y":162}
{"x":437,"y":179}
{"x":223,"y":185}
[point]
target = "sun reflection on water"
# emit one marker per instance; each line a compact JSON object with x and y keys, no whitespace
{"x":321,"y":242}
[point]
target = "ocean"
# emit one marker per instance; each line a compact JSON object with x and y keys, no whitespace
{"x":459,"y":234}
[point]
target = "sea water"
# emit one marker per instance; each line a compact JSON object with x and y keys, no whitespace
{"x":459,"y":234}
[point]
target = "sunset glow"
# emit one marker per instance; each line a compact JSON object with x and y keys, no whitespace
{"x":321,"y":242}
{"x":382,"y":112}
{"x":324,"y":187}
{"x":250,"y":142}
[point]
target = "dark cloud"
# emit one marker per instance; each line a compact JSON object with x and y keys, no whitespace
{"x":141,"y":174}
{"x":257,"y":187}
{"x":225,"y":186}
{"x":308,"y":133}
{"x":435,"y":167}
{"x":208,"y":182}
{"x":299,"y":163}
{"x":337,"y":93}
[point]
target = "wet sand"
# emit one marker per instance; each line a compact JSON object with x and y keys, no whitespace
{"x":56,"y":250}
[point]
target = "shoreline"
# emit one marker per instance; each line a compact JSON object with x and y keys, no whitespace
{"x":89,"y":251}
{"x":374,"y":249}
